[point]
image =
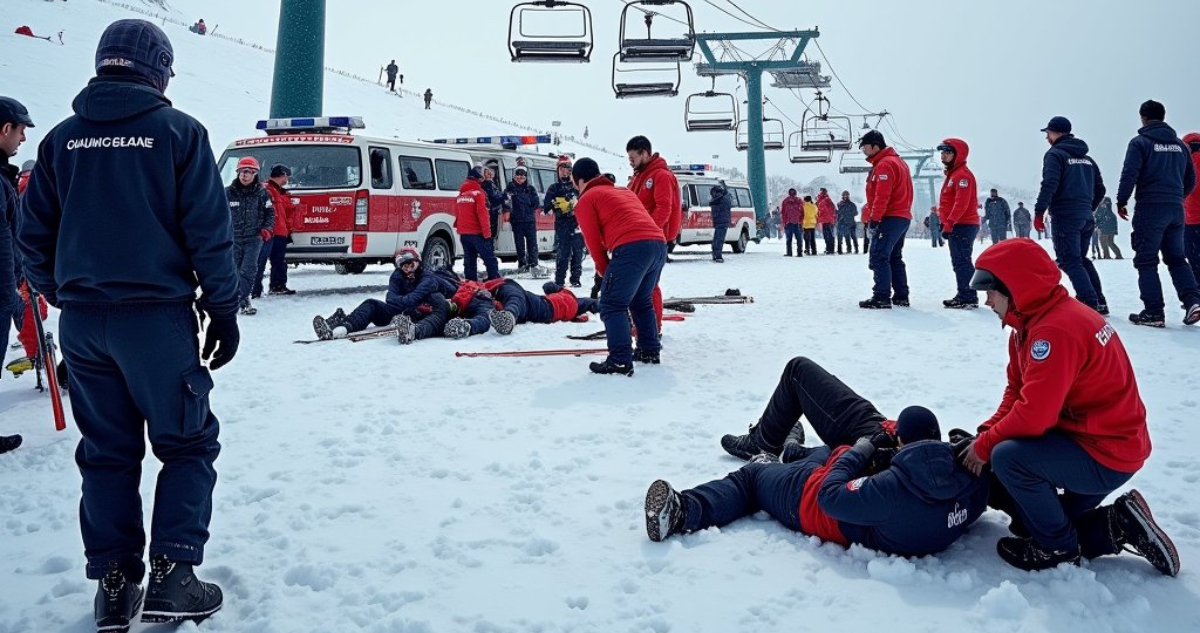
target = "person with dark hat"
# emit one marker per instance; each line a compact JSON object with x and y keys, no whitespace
{"x":524,"y":206}
{"x":275,"y":251}
{"x":1071,"y":420}
{"x":1071,"y":190}
{"x":958,"y":209}
{"x":474,"y":227}
{"x":722,"y":214}
{"x":628,"y":249}
{"x":887,"y":213}
{"x":560,"y":200}
{"x":1159,"y":166}
{"x":891,"y":486}
{"x":129,"y":184}
{"x":792,"y":212}
{"x":14,"y":120}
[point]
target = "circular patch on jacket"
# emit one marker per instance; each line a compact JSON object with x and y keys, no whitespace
{"x":1040,"y":350}
{"x":649,"y":183}
{"x":856,"y":484}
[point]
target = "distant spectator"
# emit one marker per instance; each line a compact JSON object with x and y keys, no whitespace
{"x":810,"y":226}
{"x":392,"y":71}
{"x":496,"y":200}
{"x":428,"y":97}
{"x":199,"y":28}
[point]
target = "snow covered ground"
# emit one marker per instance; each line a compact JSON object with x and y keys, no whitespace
{"x":372,"y":487}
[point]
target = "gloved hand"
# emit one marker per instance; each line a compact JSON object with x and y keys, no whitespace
{"x":946,"y":235}
{"x":222,"y":337}
{"x":597,"y":282}
{"x":1123,"y":212}
{"x":1039,"y":222}
{"x":873,"y":226}
{"x":864,"y":447}
{"x":266,"y":235}
{"x":883,"y":439}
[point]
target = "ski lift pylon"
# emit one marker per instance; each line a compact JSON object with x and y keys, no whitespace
{"x":774,"y":138}
{"x":710,"y":111}
{"x":656,"y":49}
{"x":662,"y":80}
{"x":530,"y":43}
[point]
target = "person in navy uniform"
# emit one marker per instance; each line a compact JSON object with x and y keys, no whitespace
{"x":126,"y":190}
{"x":560,"y":199}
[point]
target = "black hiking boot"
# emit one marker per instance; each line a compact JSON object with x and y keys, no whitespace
{"x":324,"y":326}
{"x":1138,"y":533}
{"x":457,"y":329}
{"x":1192,"y":316}
{"x":902,"y":302}
{"x":608,"y":367}
{"x":9,"y":443}
{"x":1148,"y":319}
{"x":664,"y":511}
{"x":959,"y":304}
{"x":646,"y":358}
{"x":502,"y":321}
{"x":1102,"y":309}
{"x":406,"y":330}
{"x":751,"y":443}
{"x":283,"y":290}
{"x":1026,"y":554}
{"x":176,"y":594}
{"x":117,"y":601}
{"x":876,"y":304}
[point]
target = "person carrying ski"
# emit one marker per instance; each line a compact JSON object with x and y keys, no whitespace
{"x":131,"y":184}
{"x":1071,"y":420}
{"x":888,"y":214}
{"x":722,"y":215}
{"x":658,"y":189}
{"x":958,"y":208}
{"x":628,"y":249}
{"x":525,"y":207}
{"x":792,"y":212}
{"x":474,"y":228}
{"x":275,"y":251}
{"x":894,"y":487}
{"x":847,"y":212}
{"x":253,"y":216}
{"x":517,"y":306}
{"x":827,"y":217}
{"x":560,"y":200}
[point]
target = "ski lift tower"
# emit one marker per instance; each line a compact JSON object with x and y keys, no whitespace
{"x":751,"y":72}
{"x":298,"y":88}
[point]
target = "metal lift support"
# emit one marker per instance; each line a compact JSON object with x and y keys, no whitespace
{"x":752,"y":73}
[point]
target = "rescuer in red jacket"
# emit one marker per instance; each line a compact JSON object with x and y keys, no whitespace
{"x":887,"y":214}
{"x":474,"y":227}
{"x":629,"y":252}
{"x":958,"y":211}
{"x":1071,"y":419}
{"x":658,"y":189}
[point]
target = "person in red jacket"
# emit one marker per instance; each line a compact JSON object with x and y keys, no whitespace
{"x":629,"y":251}
{"x":792,"y":212}
{"x":959,"y":214}
{"x":658,"y":189}
{"x":1191,"y":210}
{"x":887,"y":213}
{"x":474,"y":227}
{"x":276,"y":250}
{"x":516,"y":305}
{"x":827,"y":217}
{"x":1071,"y":419}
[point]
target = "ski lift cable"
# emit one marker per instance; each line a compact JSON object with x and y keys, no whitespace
{"x":747,"y":14}
{"x":732,"y":15}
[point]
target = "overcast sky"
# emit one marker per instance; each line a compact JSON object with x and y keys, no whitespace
{"x":991,"y":73}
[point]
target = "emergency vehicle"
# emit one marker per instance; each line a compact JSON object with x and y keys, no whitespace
{"x":360,"y":198}
{"x":697,"y":227}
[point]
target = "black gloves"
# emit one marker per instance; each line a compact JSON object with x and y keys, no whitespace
{"x":873,"y":225}
{"x":222,"y":331}
{"x":946,"y":235}
{"x":883,"y":439}
{"x":598,"y":281}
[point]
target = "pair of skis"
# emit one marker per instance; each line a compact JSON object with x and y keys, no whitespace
{"x":369,"y":334}
{"x":47,"y":361}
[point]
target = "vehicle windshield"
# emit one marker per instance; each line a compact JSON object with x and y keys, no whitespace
{"x":313,"y":166}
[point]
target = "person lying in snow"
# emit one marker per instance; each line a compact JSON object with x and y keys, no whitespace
{"x":916,"y":503}
{"x":517,"y":305}
{"x":464,"y":314}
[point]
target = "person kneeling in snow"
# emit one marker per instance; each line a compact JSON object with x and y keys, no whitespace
{"x":518,"y":305}
{"x":410,"y":291}
{"x":917,"y":503}
{"x":1071,"y":420}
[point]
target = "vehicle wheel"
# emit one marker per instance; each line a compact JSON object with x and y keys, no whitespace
{"x":438,"y":253}
{"x":356,"y":268}
{"x":743,"y":239}
{"x":340,"y":268}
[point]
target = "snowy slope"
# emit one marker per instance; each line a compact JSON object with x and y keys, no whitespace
{"x":369,"y":487}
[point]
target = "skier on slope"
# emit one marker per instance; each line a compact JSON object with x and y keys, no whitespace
{"x":517,"y":305}
{"x":913,"y":501}
{"x":410,"y":291}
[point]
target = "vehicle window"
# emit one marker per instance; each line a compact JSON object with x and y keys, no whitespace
{"x":381,"y":168}
{"x":451,"y":174}
{"x":702,"y":194}
{"x":547,"y":177}
{"x":743,"y":198}
{"x":685,"y":196}
{"x":417,"y":173}
{"x":313,"y":166}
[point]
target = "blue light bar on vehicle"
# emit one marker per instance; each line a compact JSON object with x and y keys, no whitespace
{"x":692,"y":167}
{"x":312,"y":123}
{"x":496,"y":140}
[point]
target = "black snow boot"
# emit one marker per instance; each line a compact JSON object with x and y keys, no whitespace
{"x":324,"y":326}
{"x":751,"y":443}
{"x":406,"y":330}
{"x":665,"y":512}
{"x":117,"y":601}
{"x":876,"y":304}
{"x":1148,"y":319}
{"x":901,"y":302}
{"x":608,"y":367}
{"x":9,"y":442}
{"x":1193,"y":315}
{"x":959,"y":304}
{"x":1026,"y":554}
{"x":457,"y":329}
{"x":1137,"y":532}
{"x":647,"y":358}
{"x":502,"y":321}
{"x":175,"y":594}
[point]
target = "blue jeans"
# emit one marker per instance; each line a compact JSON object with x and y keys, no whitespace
{"x":275,"y":252}
{"x":1191,"y":244}
{"x":474,"y":246}
{"x":773,"y":488}
{"x":793,"y":230}
{"x":628,"y":287}
{"x":1072,"y":235}
{"x":962,"y":243}
{"x":245,"y":260}
{"x":135,"y":369}
{"x":1160,"y":228}
{"x":887,"y":259}
{"x":718,"y":242}
{"x":569,"y":253}
{"x":525,"y":236}
{"x":1033,"y":469}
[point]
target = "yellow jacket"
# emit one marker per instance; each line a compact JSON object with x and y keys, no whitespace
{"x":810,"y":215}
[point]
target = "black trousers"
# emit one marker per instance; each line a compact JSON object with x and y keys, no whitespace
{"x":837,"y":414}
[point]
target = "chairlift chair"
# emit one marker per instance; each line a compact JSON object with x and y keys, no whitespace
{"x":807,"y":77}
{"x":798,"y":155}
{"x":710,"y":112}
{"x":825,"y":133}
{"x":530,"y":40}
{"x":657,"y":49}
{"x":774,"y":138}
{"x":854,"y":163}
{"x":662,"y":80}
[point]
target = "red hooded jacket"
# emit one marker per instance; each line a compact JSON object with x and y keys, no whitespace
{"x":284,"y":209}
{"x":1067,"y":368}
{"x":958,"y":203}
{"x":1191,"y":204}
{"x":826,"y":212}
{"x":564,"y":304}
{"x":889,"y":187}
{"x":471,"y":210}
{"x":791,"y":210}
{"x":467,"y":291}
{"x":658,"y":189}
{"x":611,"y":216}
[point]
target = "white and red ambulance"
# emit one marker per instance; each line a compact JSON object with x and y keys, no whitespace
{"x":360,"y":198}
{"x":697,"y":227}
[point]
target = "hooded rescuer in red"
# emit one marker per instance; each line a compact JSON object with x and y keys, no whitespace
{"x":1071,"y":419}
{"x":960,"y":219}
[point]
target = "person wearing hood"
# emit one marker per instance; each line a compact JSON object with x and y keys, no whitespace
{"x":1159,"y":166}
{"x":959,"y":212}
{"x":1022,"y":220}
{"x":474,"y":227}
{"x":792,"y":212}
{"x":1071,"y":189}
{"x":847,"y":213}
{"x":827,"y":216}
{"x":998,"y":216}
{"x":890,"y":486}
{"x":888,"y":214}
{"x":525,"y":206}
{"x":722,"y":215}
{"x":128,"y":191}
{"x":1106,"y":225}
{"x":1071,"y":419}
{"x":1191,"y":209}
{"x":657,"y":187}
{"x":253,"y":216}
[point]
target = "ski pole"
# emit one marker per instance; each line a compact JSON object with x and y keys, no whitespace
{"x":49,"y":363}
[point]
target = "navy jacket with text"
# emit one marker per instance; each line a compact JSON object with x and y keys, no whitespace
{"x":407,"y":295}
{"x":1159,"y":165}
{"x":1071,"y":182}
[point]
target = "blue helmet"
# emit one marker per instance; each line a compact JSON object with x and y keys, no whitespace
{"x":136,"y":47}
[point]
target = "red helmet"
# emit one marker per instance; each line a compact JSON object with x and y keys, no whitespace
{"x":249,"y":162}
{"x":407,"y":254}
{"x":564,"y":161}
